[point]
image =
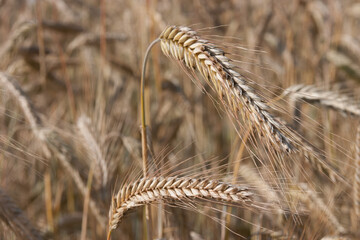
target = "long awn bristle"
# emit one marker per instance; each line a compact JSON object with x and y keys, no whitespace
{"x":356,"y":188}
{"x":94,"y":149}
{"x":185,"y":45}
{"x":51,"y":140}
{"x":330,"y":99}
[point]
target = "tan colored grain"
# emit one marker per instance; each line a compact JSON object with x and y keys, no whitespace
{"x":149,"y":190}
{"x":186,"y":46}
{"x":183,"y":44}
{"x":93,"y":150}
{"x":330,"y":99}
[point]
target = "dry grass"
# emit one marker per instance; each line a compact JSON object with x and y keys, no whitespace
{"x":53,"y":144}
{"x":70,"y":115}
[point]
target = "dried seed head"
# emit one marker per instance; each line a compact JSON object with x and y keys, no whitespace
{"x":149,"y":190}
{"x":183,"y":44}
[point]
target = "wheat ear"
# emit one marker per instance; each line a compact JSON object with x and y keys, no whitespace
{"x":318,"y":208}
{"x":148,"y":190}
{"x":64,"y":154}
{"x":183,"y":44}
{"x":330,"y":99}
{"x":16,"y":91}
{"x":52,"y":141}
{"x":14,"y":217}
{"x":16,"y":35}
{"x":94,"y":149}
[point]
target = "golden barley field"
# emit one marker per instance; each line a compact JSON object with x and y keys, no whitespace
{"x":169,"y":119}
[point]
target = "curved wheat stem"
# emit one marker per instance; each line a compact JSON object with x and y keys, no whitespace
{"x":14,"y":217}
{"x":183,"y":44}
{"x":330,"y":99}
{"x":148,"y":190}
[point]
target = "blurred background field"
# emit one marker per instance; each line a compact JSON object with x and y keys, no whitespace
{"x":79,"y":63}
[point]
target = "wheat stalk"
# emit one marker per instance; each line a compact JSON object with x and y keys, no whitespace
{"x":148,"y":190}
{"x":330,"y":99}
{"x":14,"y":217}
{"x":183,"y":44}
